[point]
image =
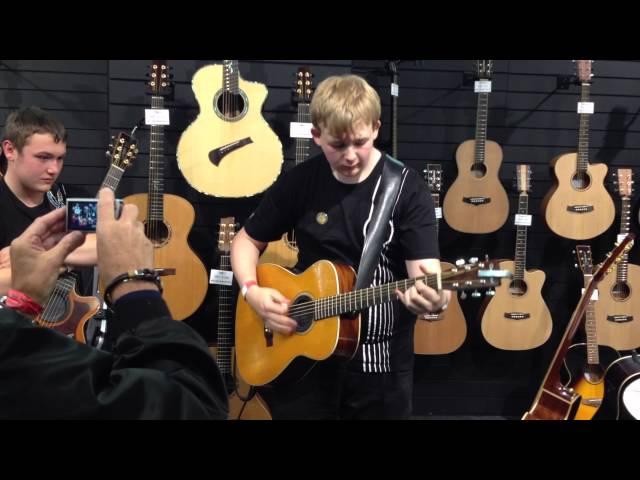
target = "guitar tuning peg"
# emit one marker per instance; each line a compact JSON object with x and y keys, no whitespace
{"x":463,"y":295}
{"x":460,"y":262}
{"x":476,"y":294}
{"x":473,"y":260}
{"x":490,"y":293}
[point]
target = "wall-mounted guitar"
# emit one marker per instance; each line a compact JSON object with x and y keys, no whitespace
{"x":587,"y":379}
{"x":168,"y":218}
{"x":554,"y":400}
{"x":253,"y":408}
{"x":65,"y":310}
{"x":323,"y":305}
{"x":517,"y":318}
{"x":392,"y":66}
{"x":477,"y":202}
{"x":229,"y":150}
{"x":285,"y":251}
{"x":618,"y":308}
{"x":578,"y":205}
{"x":443,"y":332}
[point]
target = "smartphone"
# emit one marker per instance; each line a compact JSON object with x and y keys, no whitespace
{"x":82,"y":213}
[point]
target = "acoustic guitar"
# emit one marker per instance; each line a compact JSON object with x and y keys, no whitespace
{"x":517,"y":317}
{"x":229,"y":150}
{"x":168,"y":218}
{"x":326,"y":311}
{"x":622,"y":390}
{"x":585,"y":363}
{"x":65,"y":310}
{"x":244,"y":403}
{"x":442,"y":332}
{"x":555,"y":400}
{"x":617,"y":311}
{"x":477,"y":202}
{"x":285,"y":251}
{"x":578,"y":205}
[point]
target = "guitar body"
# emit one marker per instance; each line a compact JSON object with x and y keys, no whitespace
{"x":71,"y":315}
{"x":184,"y":292}
{"x":572,"y":225}
{"x":253,"y":409}
{"x":512,"y":333}
{"x":281,"y":252}
{"x":587,"y":380}
{"x":445,"y":333}
{"x":483,"y":218}
{"x":619,"y":335}
{"x":260,"y":363}
{"x":243,"y":172}
{"x":618,"y":403}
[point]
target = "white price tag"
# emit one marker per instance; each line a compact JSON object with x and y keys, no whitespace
{"x":585,"y":107}
{"x":621,"y":237}
{"x":523,"y":220}
{"x":438,"y":212}
{"x":156,"y":116}
{"x":594,"y":295}
{"x":395,"y":89}
{"x":221,"y":277}
{"x":482,"y":86}
{"x":300,"y":130}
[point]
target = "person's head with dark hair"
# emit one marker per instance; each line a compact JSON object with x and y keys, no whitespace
{"x":34,"y":144}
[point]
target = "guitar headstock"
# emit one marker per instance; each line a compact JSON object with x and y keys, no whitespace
{"x":473,"y":274}
{"x":625,"y":182}
{"x":523,"y":178}
{"x":483,"y":69}
{"x":160,"y":83}
{"x":433,"y":177}
{"x":123,"y":150}
{"x":226,"y":232}
{"x":583,"y":70}
{"x":585,"y":260}
{"x":303,"y":89}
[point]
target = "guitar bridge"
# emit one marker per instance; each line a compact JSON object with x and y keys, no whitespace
{"x":620,"y":318}
{"x":580,"y":208}
{"x":216,"y":155}
{"x":476,"y":200}
{"x":517,"y":315}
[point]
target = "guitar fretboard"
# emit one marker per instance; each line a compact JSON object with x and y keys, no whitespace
{"x":521,"y":239}
{"x":155,"y":205}
{"x":625,"y":220}
{"x":225,"y":310}
{"x":230,"y":76}
{"x":302,"y":144}
{"x":482,"y":114}
{"x":593,"y":355}
{"x":583,"y":133}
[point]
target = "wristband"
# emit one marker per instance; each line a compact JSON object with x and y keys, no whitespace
{"x":145,"y":274}
{"x":245,"y":288}
{"x":22,"y":302}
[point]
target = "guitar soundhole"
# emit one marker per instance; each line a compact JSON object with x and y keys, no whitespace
{"x":157,"y":232}
{"x":478,"y":170}
{"x":56,"y":308}
{"x":305,"y":317}
{"x":518,"y":288}
{"x":230,"y":106}
{"x":580,"y":181}
{"x":621,"y":291}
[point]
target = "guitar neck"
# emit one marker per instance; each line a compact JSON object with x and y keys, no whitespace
{"x":155,"y":204}
{"x":521,"y":240}
{"x":593,"y":356}
{"x":482,"y":113}
{"x":230,"y":77}
{"x":625,"y":221}
{"x":436,"y":204}
{"x":583,"y":133}
{"x":302,"y":144}
{"x":113,"y":177}
{"x":225,"y":309}
{"x":394,"y":119}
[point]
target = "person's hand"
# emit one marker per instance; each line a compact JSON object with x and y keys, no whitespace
{"x":37,"y":256}
{"x":122,"y":244}
{"x":5,"y":259}
{"x":422,"y":299}
{"x":272,"y":307}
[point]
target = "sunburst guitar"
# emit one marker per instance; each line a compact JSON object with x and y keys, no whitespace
{"x":229,"y":150}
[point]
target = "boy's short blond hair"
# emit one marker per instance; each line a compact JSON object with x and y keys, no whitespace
{"x":340,"y":102}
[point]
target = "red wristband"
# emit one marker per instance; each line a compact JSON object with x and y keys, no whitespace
{"x":21,"y":302}
{"x":245,"y":288}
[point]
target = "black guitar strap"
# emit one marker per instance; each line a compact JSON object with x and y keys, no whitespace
{"x":384,"y":202}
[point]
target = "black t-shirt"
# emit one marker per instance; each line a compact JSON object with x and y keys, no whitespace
{"x":330,"y":218}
